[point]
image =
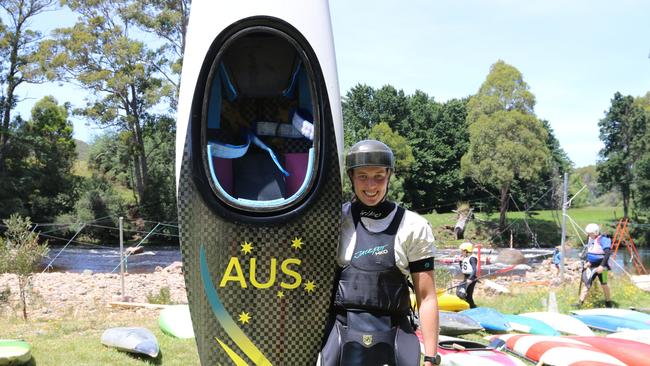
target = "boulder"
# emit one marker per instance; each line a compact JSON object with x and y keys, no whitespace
{"x":511,"y":256}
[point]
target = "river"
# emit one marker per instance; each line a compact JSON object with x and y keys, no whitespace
{"x":107,"y":259}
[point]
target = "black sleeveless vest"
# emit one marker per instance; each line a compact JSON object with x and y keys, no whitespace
{"x":371,"y":281}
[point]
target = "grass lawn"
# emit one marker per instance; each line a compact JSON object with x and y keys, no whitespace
{"x":545,"y":225}
{"x":74,"y":340}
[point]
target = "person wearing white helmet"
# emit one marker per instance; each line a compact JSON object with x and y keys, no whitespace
{"x":381,"y":246}
{"x":468,"y":266}
{"x":597,"y":262}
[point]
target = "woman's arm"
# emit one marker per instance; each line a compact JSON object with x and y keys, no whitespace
{"x":425,"y":292}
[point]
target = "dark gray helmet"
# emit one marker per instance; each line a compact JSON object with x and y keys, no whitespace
{"x":369,"y":153}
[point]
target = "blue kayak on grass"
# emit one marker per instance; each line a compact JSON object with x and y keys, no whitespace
{"x":525,"y":324}
{"x":619,"y":313}
{"x":611,"y":324}
{"x":490,"y":319}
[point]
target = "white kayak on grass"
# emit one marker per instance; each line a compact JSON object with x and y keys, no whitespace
{"x":639,"y":335}
{"x":132,"y":340}
{"x":176,"y":321}
{"x":561,"y":322}
{"x":14,"y":352}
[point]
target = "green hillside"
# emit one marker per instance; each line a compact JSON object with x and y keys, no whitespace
{"x":80,"y":167}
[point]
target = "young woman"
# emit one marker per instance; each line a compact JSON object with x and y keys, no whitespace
{"x":382,"y":245}
{"x":468,"y":266}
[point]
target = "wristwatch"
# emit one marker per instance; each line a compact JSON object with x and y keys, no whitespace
{"x":435,"y":360}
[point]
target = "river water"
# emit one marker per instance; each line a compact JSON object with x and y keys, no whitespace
{"x":107,"y":259}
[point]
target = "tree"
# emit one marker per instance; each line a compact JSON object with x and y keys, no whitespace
{"x":168,"y":20}
{"x":506,"y":141}
{"x":20,"y":253}
{"x":438,"y":134}
{"x":38,"y":164}
{"x":403,"y":158}
{"x":620,"y":131}
{"x":101,"y":54}
{"x":18,"y":43}
{"x":52,"y":147}
{"x":365,"y":107}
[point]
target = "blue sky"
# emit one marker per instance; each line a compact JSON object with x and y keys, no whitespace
{"x":574,"y":55}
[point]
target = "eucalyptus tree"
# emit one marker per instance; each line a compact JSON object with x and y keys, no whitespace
{"x":106,"y":53}
{"x":168,"y":20}
{"x":622,"y":130}
{"x":18,"y":43}
{"x":506,"y":140}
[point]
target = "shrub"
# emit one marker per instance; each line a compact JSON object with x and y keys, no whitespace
{"x":20,"y":253}
{"x":162,"y":297}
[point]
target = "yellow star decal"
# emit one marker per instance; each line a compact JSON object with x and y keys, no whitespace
{"x":296,"y":243}
{"x":280,"y":294}
{"x":247,"y":247}
{"x":310,"y":286}
{"x":244,"y":317}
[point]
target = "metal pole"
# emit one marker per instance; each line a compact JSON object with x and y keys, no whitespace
{"x":122,"y":258}
{"x":565,"y":194}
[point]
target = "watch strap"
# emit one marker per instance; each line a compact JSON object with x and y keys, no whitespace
{"x":433,"y":359}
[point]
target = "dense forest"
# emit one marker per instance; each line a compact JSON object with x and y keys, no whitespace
{"x":488,"y":149}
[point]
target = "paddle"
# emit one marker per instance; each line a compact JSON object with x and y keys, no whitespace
{"x":503,"y":270}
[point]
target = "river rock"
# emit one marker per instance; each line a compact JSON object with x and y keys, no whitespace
{"x":511,"y":256}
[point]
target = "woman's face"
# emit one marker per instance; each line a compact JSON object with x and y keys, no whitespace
{"x":370,"y":184}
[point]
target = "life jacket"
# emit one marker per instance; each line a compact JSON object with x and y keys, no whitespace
{"x":372,"y":303}
{"x":372,"y":281}
{"x":596,"y":248}
{"x":465,"y":265}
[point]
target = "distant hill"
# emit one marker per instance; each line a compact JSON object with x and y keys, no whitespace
{"x":82,"y":150}
{"x":80,"y":167}
{"x":593,"y":195}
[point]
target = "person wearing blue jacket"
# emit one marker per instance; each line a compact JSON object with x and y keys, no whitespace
{"x":597,"y":262}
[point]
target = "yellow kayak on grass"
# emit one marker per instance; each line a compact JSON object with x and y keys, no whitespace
{"x":446,"y":301}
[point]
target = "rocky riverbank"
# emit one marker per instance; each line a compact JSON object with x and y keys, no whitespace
{"x":58,"y":294}
{"x":62,"y":294}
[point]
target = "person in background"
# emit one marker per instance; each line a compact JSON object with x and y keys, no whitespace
{"x":557,"y":258}
{"x":381,"y":246}
{"x":468,"y":265}
{"x":597,"y":263}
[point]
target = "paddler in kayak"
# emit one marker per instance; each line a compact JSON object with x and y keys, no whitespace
{"x":597,"y":263}
{"x":468,"y":266}
{"x":382,"y":244}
